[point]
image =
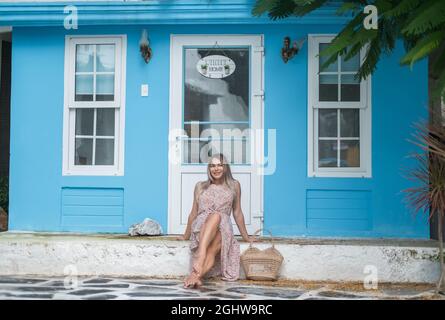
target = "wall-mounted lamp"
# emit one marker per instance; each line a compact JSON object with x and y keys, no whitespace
{"x":144,"y":47}
{"x":288,"y":52}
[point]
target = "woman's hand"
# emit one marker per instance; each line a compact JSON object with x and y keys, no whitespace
{"x":251,"y":239}
{"x":182,"y":238}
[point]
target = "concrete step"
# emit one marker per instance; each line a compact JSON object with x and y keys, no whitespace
{"x":54,"y":254}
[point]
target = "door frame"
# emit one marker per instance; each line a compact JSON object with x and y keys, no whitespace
{"x":173,"y":87}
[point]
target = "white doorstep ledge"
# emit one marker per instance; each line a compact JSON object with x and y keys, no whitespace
{"x":55,"y":254}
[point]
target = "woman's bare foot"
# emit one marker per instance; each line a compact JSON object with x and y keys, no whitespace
{"x":192,"y":281}
{"x":188,"y":281}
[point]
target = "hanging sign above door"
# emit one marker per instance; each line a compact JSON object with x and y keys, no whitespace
{"x":216,"y":66}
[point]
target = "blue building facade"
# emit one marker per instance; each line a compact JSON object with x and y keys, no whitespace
{"x":357,"y":192}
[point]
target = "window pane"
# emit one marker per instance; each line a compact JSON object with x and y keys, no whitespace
{"x":350,"y":88}
{"x":327,"y":122}
{"x":84,"y":122}
{"x":105,"y":87}
{"x":105,"y":122}
{"x":350,"y":153}
{"x":322,"y":59}
{"x":349,"y":123}
{"x":327,"y":153}
{"x":328,"y":90}
{"x":105,"y":152}
{"x":197,"y":130}
{"x":352,"y":64}
{"x":216,"y":99}
{"x":84,"y":151}
{"x":105,"y":57}
{"x":236,"y":151}
{"x":84,"y":88}
{"x":84,"y":58}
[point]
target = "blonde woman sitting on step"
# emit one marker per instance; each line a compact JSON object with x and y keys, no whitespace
{"x":209,"y":227}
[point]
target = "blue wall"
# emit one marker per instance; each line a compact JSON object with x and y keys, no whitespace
{"x":38,"y":190}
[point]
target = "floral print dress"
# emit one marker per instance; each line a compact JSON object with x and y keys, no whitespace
{"x":218,"y":199}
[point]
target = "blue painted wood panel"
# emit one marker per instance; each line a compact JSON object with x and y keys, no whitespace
{"x":338,"y":209}
{"x":92,"y":209}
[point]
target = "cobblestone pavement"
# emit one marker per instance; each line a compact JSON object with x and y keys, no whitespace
{"x":101,"y":288}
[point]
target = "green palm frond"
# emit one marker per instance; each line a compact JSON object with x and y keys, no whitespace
{"x":419,"y":23}
{"x":429,"y":15}
{"x":282,"y":9}
{"x":263,"y":6}
{"x":347,"y":7}
{"x":423,"y":48}
{"x":301,"y":8}
{"x":372,"y":56}
{"x":403,"y":8}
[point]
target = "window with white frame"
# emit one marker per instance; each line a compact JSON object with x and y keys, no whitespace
{"x":94,"y":105}
{"x":339,"y":115}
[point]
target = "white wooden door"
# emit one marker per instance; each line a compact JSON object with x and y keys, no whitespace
{"x":214,"y":111}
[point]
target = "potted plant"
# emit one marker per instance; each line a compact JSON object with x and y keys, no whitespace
{"x":429,"y":194}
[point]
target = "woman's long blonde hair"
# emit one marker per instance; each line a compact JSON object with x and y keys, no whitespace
{"x":227,"y":174}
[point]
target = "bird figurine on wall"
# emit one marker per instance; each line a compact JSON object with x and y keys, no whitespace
{"x":144,"y":47}
{"x":288,"y":52}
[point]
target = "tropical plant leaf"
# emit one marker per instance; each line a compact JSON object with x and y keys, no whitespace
{"x":262,"y":6}
{"x":430,"y":15}
{"x":403,"y":8}
{"x":347,"y":7}
{"x":304,"y":7}
{"x":372,"y":55}
{"x":423,"y":48}
{"x":282,"y":9}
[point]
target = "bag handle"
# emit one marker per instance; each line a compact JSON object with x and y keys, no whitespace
{"x":270,"y":233}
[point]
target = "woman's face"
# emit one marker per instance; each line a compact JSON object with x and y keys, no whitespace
{"x":216,"y":169}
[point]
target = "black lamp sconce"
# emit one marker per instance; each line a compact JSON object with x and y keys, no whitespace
{"x":144,"y":47}
{"x":288,"y":52}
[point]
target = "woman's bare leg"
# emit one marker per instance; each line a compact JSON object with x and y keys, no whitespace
{"x":193,"y":280}
{"x":206,"y":235}
{"x":212,"y":251}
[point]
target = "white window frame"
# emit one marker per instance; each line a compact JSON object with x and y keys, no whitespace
{"x":70,"y":106}
{"x":364,"y":106}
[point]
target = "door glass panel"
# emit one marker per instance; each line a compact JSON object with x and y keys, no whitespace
{"x":231,"y":130}
{"x":216,"y":109}
{"x":198,"y":151}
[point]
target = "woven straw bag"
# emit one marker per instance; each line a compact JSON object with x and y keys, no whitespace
{"x":261,"y":264}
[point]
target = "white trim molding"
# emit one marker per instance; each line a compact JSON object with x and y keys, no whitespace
{"x":70,"y":106}
{"x":314,"y":105}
